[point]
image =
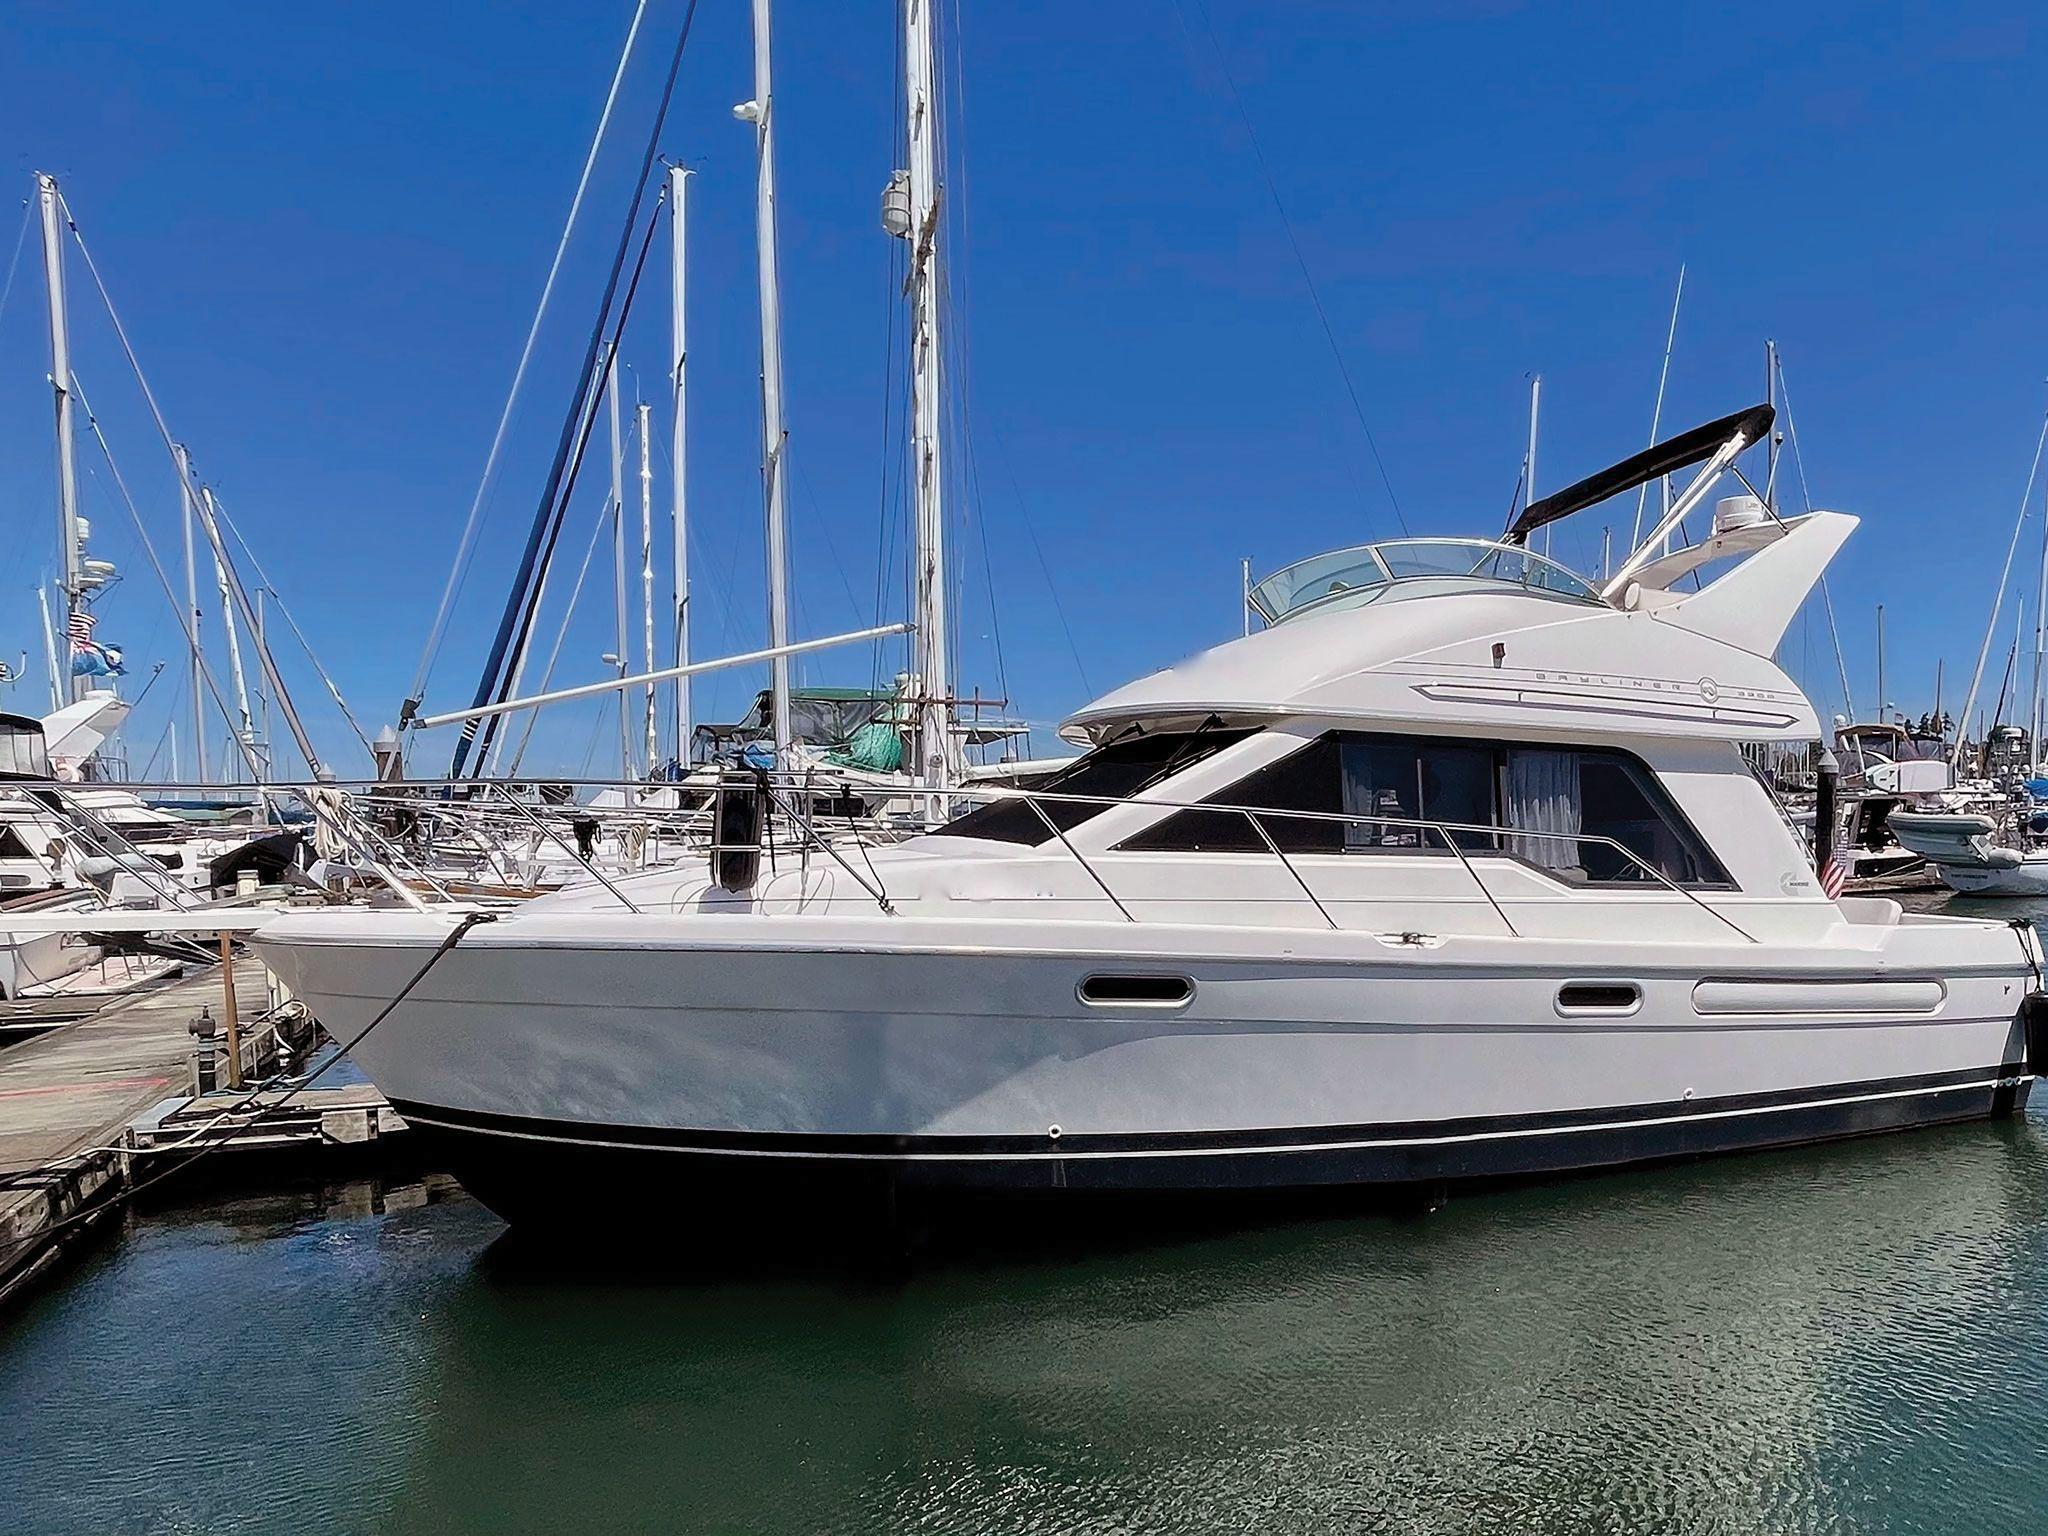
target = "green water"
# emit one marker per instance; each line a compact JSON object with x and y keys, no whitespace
{"x":1843,"y":1339}
{"x":1848,"y":1339}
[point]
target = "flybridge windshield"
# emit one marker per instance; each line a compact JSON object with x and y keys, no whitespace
{"x":1373,"y":569}
{"x":21,"y":751}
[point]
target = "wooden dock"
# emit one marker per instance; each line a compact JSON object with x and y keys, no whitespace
{"x":71,"y":1094}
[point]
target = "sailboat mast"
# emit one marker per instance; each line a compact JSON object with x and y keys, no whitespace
{"x":2034,"y":758}
{"x":1882,"y":718}
{"x":1529,"y":458}
{"x":937,"y":754}
{"x":679,"y":487}
{"x":1635,"y":535}
{"x":263,"y":687}
{"x":774,"y":435}
{"x":1776,"y":437}
{"x":192,"y":615}
{"x":50,"y":650}
{"x":645,"y":424}
{"x":72,"y":575}
{"x":246,"y":722}
{"x":621,"y":655}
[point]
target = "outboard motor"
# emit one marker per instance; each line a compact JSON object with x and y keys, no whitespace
{"x":736,"y":820}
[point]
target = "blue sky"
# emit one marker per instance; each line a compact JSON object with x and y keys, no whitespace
{"x":326,"y":231}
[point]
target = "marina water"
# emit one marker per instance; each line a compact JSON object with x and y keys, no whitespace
{"x":1846,"y":1338}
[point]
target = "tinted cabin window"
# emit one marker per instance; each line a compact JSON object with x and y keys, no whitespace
{"x":1307,"y":780}
{"x":1620,"y":800}
{"x":1551,"y":804}
{"x":1416,"y":781}
{"x":1115,"y":772}
{"x":1398,"y":778}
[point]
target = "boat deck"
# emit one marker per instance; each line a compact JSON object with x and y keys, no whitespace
{"x":82,"y":993}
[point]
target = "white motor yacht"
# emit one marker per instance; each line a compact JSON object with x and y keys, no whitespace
{"x":1457,"y":869}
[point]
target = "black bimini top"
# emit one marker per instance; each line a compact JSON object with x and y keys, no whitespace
{"x":1653,"y":463}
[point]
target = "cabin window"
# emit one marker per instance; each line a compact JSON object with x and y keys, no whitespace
{"x":1415,"y":780}
{"x":1554,"y":808}
{"x":11,"y":845}
{"x":1115,"y":771}
{"x":1309,"y":780}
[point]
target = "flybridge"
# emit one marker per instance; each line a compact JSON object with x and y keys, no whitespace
{"x":1372,"y":572}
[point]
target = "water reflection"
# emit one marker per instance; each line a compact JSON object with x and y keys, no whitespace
{"x":1767,"y":1344}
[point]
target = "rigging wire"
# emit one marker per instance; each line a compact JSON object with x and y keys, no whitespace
{"x":1806,"y":500}
{"x":1038,"y":551}
{"x":1657,"y":411}
{"x":824,"y":531}
{"x":28,"y":212}
{"x":699,"y":543}
{"x":466,"y":546}
{"x":889,"y":449}
{"x":1998,"y":602}
{"x":955,"y":297}
{"x":1294,"y":244}
{"x":567,"y":488}
{"x":515,"y":624}
{"x":170,"y":720}
{"x":269,"y":586}
{"x":264,"y":656}
{"x":562,"y":634}
{"x":163,"y":577}
{"x":886,"y":449}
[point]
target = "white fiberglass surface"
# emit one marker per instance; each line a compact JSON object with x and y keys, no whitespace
{"x":1373,"y":567}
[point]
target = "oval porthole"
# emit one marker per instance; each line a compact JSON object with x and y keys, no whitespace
{"x":1599,"y":997}
{"x":1121,"y":989}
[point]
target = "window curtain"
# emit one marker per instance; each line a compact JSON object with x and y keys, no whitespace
{"x":1543,"y":796}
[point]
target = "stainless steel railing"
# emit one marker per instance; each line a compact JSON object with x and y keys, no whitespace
{"x":485,"y":815}
{"x":1256,"y":816}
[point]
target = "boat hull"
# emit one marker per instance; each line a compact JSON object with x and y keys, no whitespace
{"x":1963,"y":851}
{"x":557,"y":1174}
{"x":724,"y":1075}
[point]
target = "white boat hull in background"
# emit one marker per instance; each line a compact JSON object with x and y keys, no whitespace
{"x":1962,"y":850}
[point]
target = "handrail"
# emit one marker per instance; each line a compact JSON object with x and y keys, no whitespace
{"x":1287,"y":864}
{"x":880,"y":894}
{"x":588,"y":864}
{"x":1452,"y":844}
{"x":1092,"y":875}
{"x":110,"y":842}
{"x":1441,"y":828}
{"x":686,"y":822}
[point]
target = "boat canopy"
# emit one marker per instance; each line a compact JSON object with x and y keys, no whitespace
{"x":1659,"y":459}
{"x":1369,"y":572}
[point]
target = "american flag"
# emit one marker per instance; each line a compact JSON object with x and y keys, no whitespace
{"x":1834,"y":868}
{"x":82,"y":622}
